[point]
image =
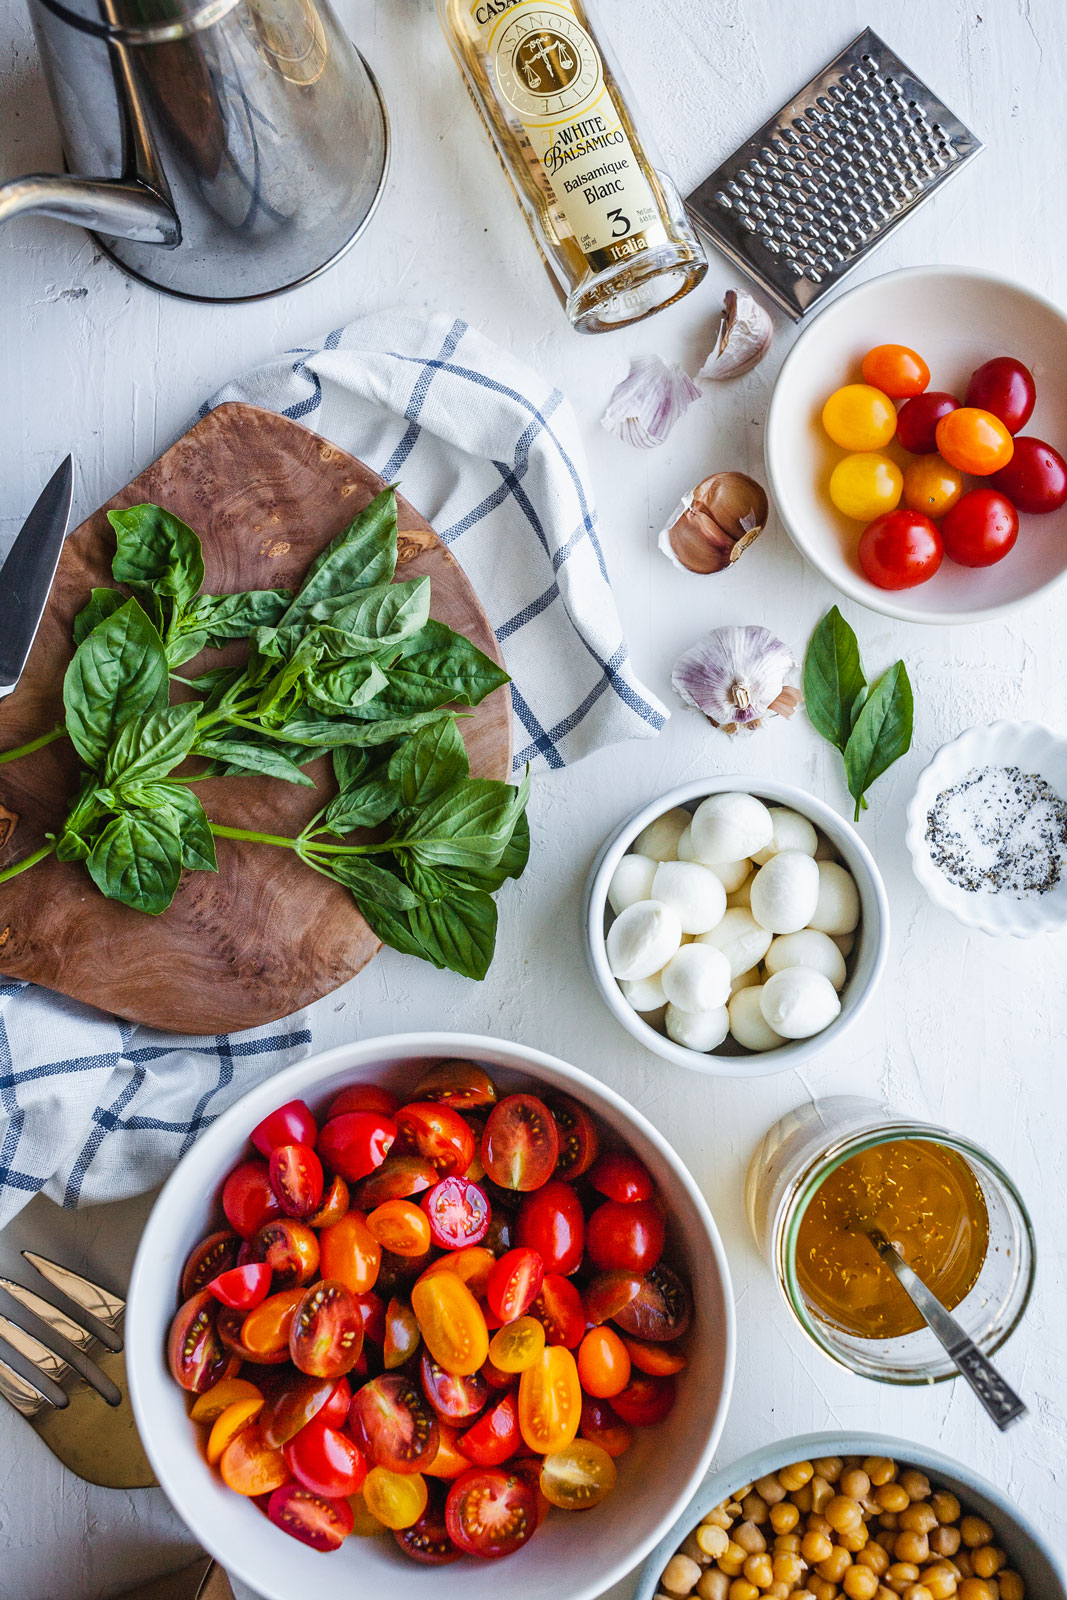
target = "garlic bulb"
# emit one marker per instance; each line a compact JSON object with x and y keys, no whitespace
{"x":716,"y":523}
{"x":737,"y":676}
{"x":744,"y":338}
{"x":648,"y":402}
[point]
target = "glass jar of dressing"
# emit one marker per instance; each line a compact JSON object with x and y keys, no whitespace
{"x":831,"y":1169}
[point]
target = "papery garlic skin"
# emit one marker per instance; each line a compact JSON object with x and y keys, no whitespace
{"x":736,"y":676}
{"x":648,"y":402}
{"x":745,"y":333}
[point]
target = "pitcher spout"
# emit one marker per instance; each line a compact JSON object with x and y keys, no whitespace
{"x":116,"y":208}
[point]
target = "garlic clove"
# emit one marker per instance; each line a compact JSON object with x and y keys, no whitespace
{"x":736,"y":677}
{"x":648,"y":402}
{"x":745,"y":332}
{"x":716,"y":523}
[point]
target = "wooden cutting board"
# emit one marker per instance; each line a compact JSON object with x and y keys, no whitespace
{"x":265,"y":935}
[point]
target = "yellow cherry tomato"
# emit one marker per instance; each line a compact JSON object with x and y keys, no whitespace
{"x":578,"y":1477}
{"x":208,"y":1407}
{"x":397,"y":1499}
{"x":517,"y":1345}
{"x":859,"y":417}
{"x":364,"y":1524}
{"x":550,"y":1401}
{"x":897,"y":370}
{"x":227,"y":1426}
{"x":975,"y":441}
{"x":863,"y":486}
{"x":452,"y":1323}
{"x":931,"y":486}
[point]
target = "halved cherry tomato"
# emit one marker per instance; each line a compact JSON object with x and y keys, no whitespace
{"x":603,"y":1426}
{"x":608,"y":1294}
{"x":490,"y":1512}
{"x":981,"y":529}
{"x":447,"y":1463}
{"x":452,"y":1323}
{"x":196,"y":1354}
{"x":1006,"y":388}
{"x":528,"y":1467}
{"x":312,"y":1518}
{"x":230,"y":1324}
{"x":290,"y":1124}
{"x":931,"y":486}
{"x":363,"y":1097}
{"x":658,"y":1360}
{"x":895,"y":369}
{"x":501,"y":1234}
{"x":550,"y":1401}
{"x":900,"y":549}
{"x":400,"y":1226}
{"x":495,"y":1376}
{"x":458,"y":1211}
{"x":520,"y":1146}
{"x":494,"y":1437}
{"x":326,"y":1461}
{"x":364,"y":1524}
{"x":975,"y":441}
{"x":620,"y":1176}
{"x":265,"y":1331}
{"x":436,"y":1133}
{"x":625,"y":1238}
{"x":603,"y":1363}
{"x":660,"y":1311}
{"x":917,"y":420}
{"x":335,"y":1412}
{"x":578,"y":1137}
{"x":250,"y":1466}
{"x":645,"y":1400}
{"x":326,"y":1333}
{"x":454,"y":1397}
{"x":397,"y":1499}
{"x":295,"y":1173}
{"x":515,"y":1282}
{"x":248,"y":1199}
{"x":356,"y":1142}
{"x":1035,"y":479}
{"x":333,"y":1204}
{"x":295,"y":1402}
{"x":242,"y":1287}
{"x":579,"y":1476}
{"x":227,"y":1426}
{"x":210,"y":1405}
{"x":462,"y":1084}
{"x":402,"y":1334}
{"x":398,"y":1177}
{"x":517,"y":1345}
{"x":290,"y":1249}
{"x":558,"y":1308}
{"x":371,"y":1308}
{"x":551,"y":1222}
{"x":398,"y":1273}
{"x":427,"y":1540}
{"x":215,"y":1254}
{"x":473,"y":1264}
{"x":350,"y":1253}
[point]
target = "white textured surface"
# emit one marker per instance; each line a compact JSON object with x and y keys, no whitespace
{"x":967,"y":1030}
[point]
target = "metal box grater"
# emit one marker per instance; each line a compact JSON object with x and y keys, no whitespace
{"x":836,"y":170}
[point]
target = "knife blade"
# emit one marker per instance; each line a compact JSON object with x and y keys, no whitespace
{"x":26,"y":576}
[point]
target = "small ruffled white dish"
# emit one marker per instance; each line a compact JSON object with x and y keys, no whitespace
{"x":1030,"y":747}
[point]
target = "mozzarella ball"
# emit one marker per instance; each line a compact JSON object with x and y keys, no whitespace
{"x":791,"y":832}
{"x":631,"y":881}
{"x":696,"y":978}
{"x":784,"y":892}
{"x":741,"y":896}
{"x":807,"y":949}
{"x":797,"y":1002}
{"x":644,"y":994}
{"x":748,"y":1024}
{"x":728,"y":827}
{"x":732,"y":873}
{"x":693,"y":891}
{"x":660,"y":839}
{"x":740,"y":938}
{"x":697,"y":1030}
{"x":745,"y":980}
{"x":685,"y":844}
{"x":642,"y":939}
{"x":845,"y":942}
{"x":837,"y":906}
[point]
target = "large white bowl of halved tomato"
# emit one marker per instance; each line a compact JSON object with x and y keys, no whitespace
{"x":407,"y":1308}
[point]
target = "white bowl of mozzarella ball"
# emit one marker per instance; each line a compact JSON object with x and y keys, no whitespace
{"x":736,"y":928}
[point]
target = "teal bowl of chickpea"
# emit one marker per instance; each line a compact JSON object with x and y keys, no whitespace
{"x":841,"y":1516}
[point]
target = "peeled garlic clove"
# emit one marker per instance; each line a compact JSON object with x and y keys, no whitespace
{"x":745,"y":332}
{"x":648,"y":402}
{"x":716,"y":523}
{"x":737,"y":676}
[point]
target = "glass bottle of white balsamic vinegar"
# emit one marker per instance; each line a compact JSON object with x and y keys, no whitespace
{"x":612,"y":228}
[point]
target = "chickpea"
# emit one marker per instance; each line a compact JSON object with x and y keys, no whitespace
{"x":916,"y":1485}
{"x":899,"y":1575}
{"x":919,"y":1517}
{"x":750,"y":1539}
{"x":945,"y":1541}
{"x":713,"y":1541}
{"x":816,"y":1524}
{"x":913,"y":1547}
{"x":889,"y":1521}
{"x":987,"y":1561}
{"x":860,"y":1583}
{"x":796,"y":1476}
{"x":854,"y":1542}
{"x":719,"y":1518}
{"x":802,"y":1498}
{"x":844,"y":1514}
{"x":941,"y":1581}
{"x":917,"y":1591}
{"x":788,"y":1543}
{"x":822,"y":1588}
{"x":741,"y":1589}
{"x":758,"y":1570}
{"x":946,"y":1507}
{"x":836,"y":1565}
{"x":974,"y":1589}
{"x":1011,"y":1586}
{"x":784,"y":1517}
{"x":680,"y":1575}
{"x":829,"y":1467}
{"x":880,"y":1469}
{"x":733,"y":1559}
{"x":821,"y":1493}
{"x":770,"y":1489}
{"x":887,"y":1539}
{"x":875,"y":1556}
{"x":964,"y":1564}
{"x":755,"y":1508}
{"x":815,"y":1547}
{"x":779,"y":1591}
{"x":689,"y":1547}
{"x":975,"y":1531}
{"x":713,"y":1585}
{"x":788,"y":1569}
{"x":892,"y":1496}
{"x":855,"y":1483}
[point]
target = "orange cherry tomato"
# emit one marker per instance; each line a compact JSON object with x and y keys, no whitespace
{"x":452,"y":1323}
{"x":401,"y":1334}
{"x":229,"y":1424}
{"x":400,"y":1226}
{"x":931,"y":486}
{"x":658,"y":1360}
{"x":265,"y":1331}
{"x":603,"y":1363}
{"x":447,"y":1463}
{"x":472,"y":1264}
{"x":550,"y":1401}
{"x":974,"y":441}
{"x":210,"y":1406}
{"x":250,"y":1466}
{"x":334,"y":1204}
{"x":349,"y":1252}
{"x":896,"y":370}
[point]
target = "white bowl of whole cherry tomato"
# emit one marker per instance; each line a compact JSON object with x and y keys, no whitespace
{"x":406,"y":1307}
{"x":915,"y":444}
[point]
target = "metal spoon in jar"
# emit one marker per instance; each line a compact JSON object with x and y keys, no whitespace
{"x":998,"y":1398}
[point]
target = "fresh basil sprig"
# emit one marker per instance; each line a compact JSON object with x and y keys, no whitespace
{"x":870,"y":725}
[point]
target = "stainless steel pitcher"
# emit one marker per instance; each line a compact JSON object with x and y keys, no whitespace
{"x":224,"y":149}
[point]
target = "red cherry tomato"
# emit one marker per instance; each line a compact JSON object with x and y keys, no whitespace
{"x":452,"y":1397}
{"x":900,"y":549}
{"x":325,"y":1460}
{"x":437,"y":1134}
{"x":195,"y":1352}
{"x":896,"y":370}
{"x":215,"y":1254}
{"x":917,"y":420}
{"x":290,"y":1249}
{"x":458,"y":1211}
{"x":290,"y":1124}
{"x":608,"y":1294}
{"x":514,"y":1283}
{"x":661,"y":1310}
{"x":520,"y":1146}
{"x":371,"y":1308}
{"x":296,"y":1401}
{"x":296,"y":1178}
{"x":578,"y":1137}
{"x":363,"y":1097}
{"x":242,"y":1287}
{"x":333,"y":1205}
{"x":551,"y":1221}
{"x":248,"y":1199}
{"x":558,"y":1308}
{"x":490,"y":1512}
{"x":356,"y":1142}
{"x":462,"y":1084}
{"x":495,"y":1436}
{"x":393,"y":1425}
{"x":427,"y":1539}
{"x":398,"y":1178}
{"x":311,"y":1518}
{"x":625,"y":1238}
{"x":645,"y":1400}
{"x":621,"y":1177}
{"x":1006,"y":388}
{"x":980,"y":529}
{"x":1035,"y":479}
{"x":335,"y":1412}
{"x":326,"y":1333}
{"x":602,"y":1425}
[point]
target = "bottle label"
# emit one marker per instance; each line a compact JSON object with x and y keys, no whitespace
{"x":549,"y":71}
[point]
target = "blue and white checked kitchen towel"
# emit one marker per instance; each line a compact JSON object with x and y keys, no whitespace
{"x":92,"y":1109}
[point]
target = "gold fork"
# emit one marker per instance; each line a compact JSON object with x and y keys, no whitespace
{"x":71,"y":1385}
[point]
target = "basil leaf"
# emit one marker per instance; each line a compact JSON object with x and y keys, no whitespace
{"x":364,"y":554}
{"x":182,"y":646}
{"x":188,"y":815}
{"x":362,"y":807}
{"x":340,"y":690}
{"x":138,"y":860}
{"x":150,"y":746}
{"x":857,"y":706}
{"x":76,"y":839}
{"x":833,"y":677}
{"x":395,"y":930}
{"x":882,"y":733}
{"x":237,"y":616}
{"x":512,"y":863}
{"x":429,"y":762}
{"x":458,"y":933}
{"x":366,"y":878}
{"x":350,"y":765}
{"x":246,"y":756}
{"x":467,"y":824}
{"x":326,"y":732}
{"x":385,"y":615}
{"x":452,"y":664}
{"x":157,"y":548}
{"x":102,"y":604}
{"x":117,"y":673}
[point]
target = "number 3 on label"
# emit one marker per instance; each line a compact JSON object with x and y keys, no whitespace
{"x":622,"y":224}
